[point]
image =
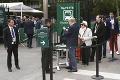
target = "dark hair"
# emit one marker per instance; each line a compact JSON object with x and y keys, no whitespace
{"x":100,"y":16}
{"x":47,"y":21}
{"x":10,"y":20}
{"x":111,"y":12}
{"x":30,"y":17}
{"x":27,"y":17}
{"x":103,"y":17}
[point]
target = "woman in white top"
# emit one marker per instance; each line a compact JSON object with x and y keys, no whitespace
{"x":85,"y":34}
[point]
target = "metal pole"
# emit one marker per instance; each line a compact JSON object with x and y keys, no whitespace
{"x":75,"y":9}
{"x":113,"y":58}
{"x":51,"y":64}
{"x":21,"y":11}
{"x":51,"y":59}
{"x":8,"y":13}
{"x":45,"y":8}
{"x":97,"y":64}
{"x":97,"y":76}
{"x":43,"y":65}
{"x":113,"y":47}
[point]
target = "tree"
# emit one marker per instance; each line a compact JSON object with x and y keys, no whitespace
{"x":105,"y":6}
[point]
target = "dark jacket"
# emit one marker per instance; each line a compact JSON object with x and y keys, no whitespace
{"x":22,"y":24}
{"x":107,"y":32}
{"x":100,"y":32}
{"x":29,"y":27}
{"x":72,"y":35}
{"x":38,"y":24}
{"x":7,"y":38}
{"x":50,"y":34}
{"x":116,"y":26}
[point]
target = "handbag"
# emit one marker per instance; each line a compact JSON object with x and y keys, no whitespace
{"x":80,"y":41}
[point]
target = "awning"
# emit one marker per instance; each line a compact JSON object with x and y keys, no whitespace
{"x":19,"y":7}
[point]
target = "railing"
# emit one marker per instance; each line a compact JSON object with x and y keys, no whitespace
{"x":97,"y":76}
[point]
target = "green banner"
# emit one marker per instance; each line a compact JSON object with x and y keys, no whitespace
{"x":2,"y":17}
{"x":42,"y":37}
{"x":22,"y":37}
{"x":64,"y":12}
{"x":2,"y":23}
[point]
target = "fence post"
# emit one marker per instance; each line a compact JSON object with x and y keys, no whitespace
{"x":113,"y":58}
{"x":97,"y":76}
{"x":43,"y":65}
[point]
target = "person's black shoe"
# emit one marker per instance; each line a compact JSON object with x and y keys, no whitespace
{"x":91,"y":60}
{"x":10,"y":70}
{"x":68,"y":67}
{"x":104,"y":56}
{"x":48,"y":72}
{"x":17,"y":67}
{"x":99,"y":61}
{"x":82,"y":64}
{"x":30,"y":47}
{"x":72,"y":70}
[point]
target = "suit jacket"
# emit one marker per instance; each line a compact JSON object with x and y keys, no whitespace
{"x":72,"y":35}
{"x":38,"y":24}
{"x":100,"y":32}
{"x":7,"y":38}
{"x":28,"y":29}
{"x":116,"y":26}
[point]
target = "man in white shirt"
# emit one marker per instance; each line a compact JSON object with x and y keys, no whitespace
{"x":112,"y":23}
{"x":11,"y":41}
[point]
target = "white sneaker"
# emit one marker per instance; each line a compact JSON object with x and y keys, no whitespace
{"x":111,"y":52}
{"x":117,"y":53}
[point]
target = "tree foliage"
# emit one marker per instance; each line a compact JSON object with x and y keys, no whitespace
{"x":97,"y":7}
{"x":104,"y":6}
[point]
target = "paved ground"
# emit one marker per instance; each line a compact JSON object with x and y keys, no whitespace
{"x":30,"y":63}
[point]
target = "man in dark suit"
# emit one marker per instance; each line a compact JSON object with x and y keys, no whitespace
{"x":72,"y":40}
{"x":98,"y":37}
{"x":112,"y":23}
{"x":47,"y":52}
{"x":29,"y":30}
{"x":11,"y":41}
{"x":38,"y":24}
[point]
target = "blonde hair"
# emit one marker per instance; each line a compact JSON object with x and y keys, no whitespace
{"x":72,"y":19}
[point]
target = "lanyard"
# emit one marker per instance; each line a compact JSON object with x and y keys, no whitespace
{"x":83,"y":33}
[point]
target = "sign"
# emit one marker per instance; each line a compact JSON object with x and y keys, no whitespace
{"x":2,"y":22}
{"x":64,"y":12}
{"x":42,"y":37}
{"x":2,"y":17}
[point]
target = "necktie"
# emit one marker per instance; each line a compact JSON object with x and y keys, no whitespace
{"x":96,"y":26}
{"x":13,"y":34}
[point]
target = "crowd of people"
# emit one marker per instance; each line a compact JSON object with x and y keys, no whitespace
{"x":20,"y":23}
{"x":11,"y":35}
{"x":103,"y":30}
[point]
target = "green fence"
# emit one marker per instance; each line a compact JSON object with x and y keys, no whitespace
{"x":22,"y":36}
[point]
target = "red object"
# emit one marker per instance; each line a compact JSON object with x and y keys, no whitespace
{"x":78,"y":50}
{"x":115,"y":41}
